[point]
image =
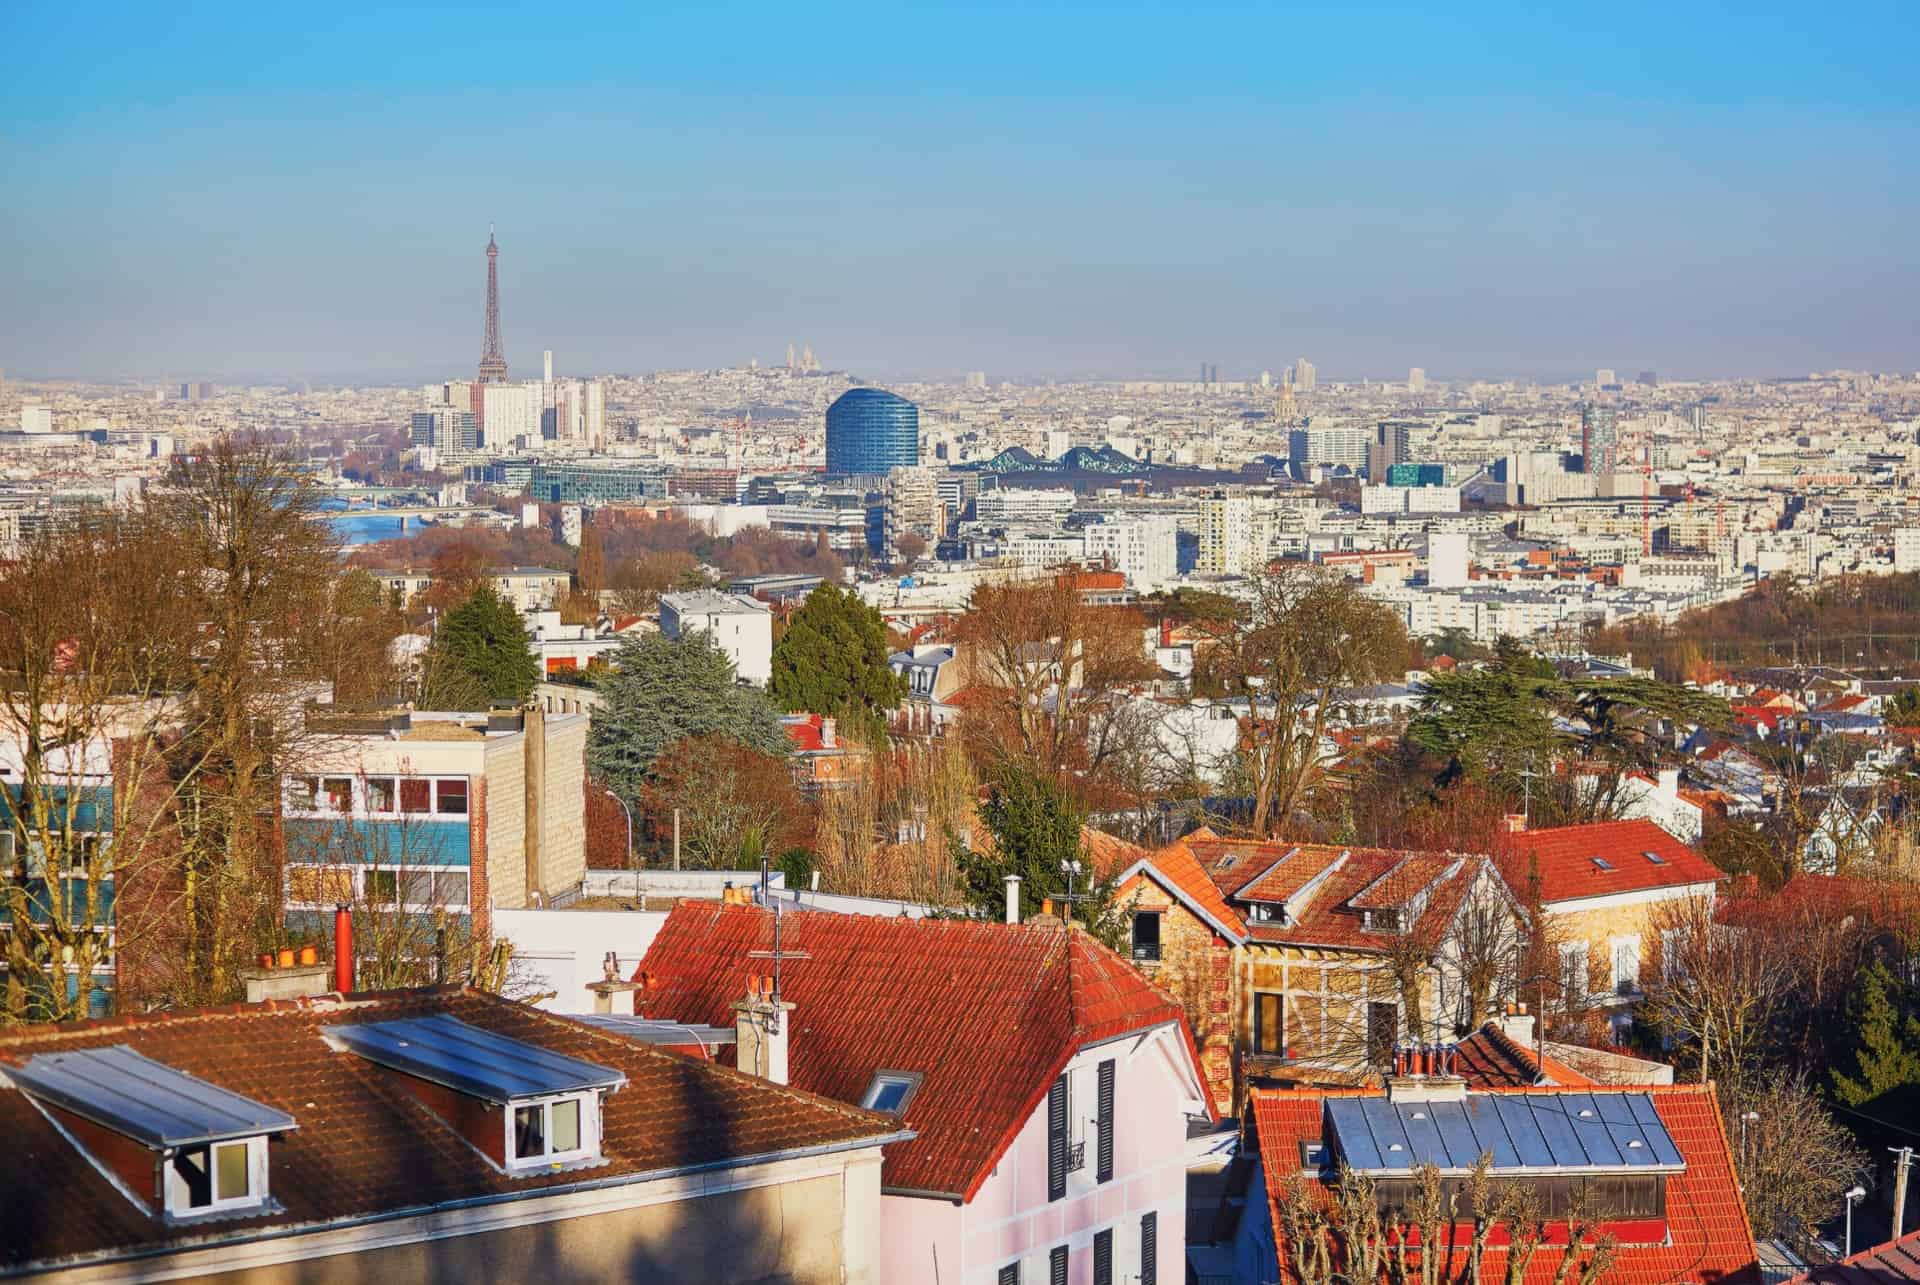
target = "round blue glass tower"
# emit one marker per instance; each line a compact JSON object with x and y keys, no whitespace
{"x":870,"y":430}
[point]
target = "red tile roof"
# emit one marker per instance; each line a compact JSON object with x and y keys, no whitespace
{"x":1565,"y":860}
{"x":1488,"y":1059}
{"x":1888,"y":1264}
{"x":1243,"y":869}
{"x":988,"y":1013}
{"x":364,"y":1147}
{"x":1175,"y":868}
{"x":1709,"y":1240}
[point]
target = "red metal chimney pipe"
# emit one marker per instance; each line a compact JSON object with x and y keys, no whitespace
{"x":343,"y":949}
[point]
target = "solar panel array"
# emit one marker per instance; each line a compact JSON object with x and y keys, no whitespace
{"x":1525,"y":1132}
{"x":479,"y":1063}
{"x":145,"y":1100}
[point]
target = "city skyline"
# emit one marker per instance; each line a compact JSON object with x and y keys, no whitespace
{"x":1107,"y":195}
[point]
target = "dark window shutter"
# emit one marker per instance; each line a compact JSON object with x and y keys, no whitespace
{"x":1010,"y":1274}
{"x":1103,"y":1161}
{"x":1103,"y":1257}
{"x":1057,"y":1266}
{"x":1149,"y":1248}
{"x":1057,"y":1140}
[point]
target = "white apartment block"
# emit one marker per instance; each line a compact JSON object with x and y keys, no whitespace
{"x":509,"y":411}
{"x":1906,"y":548}
{"x":1033,"y":549}
{"x":1007,"y":504}
{"x":740,"y":626}
{"x":1144,"y":549}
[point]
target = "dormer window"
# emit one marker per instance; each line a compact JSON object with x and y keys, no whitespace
{"x":524,"y":1107}
{"x":203,"y":1148}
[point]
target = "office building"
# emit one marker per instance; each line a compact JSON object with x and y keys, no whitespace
{"x":1599,"y":438}
{"x":1303,"y":375}
{"x":1226,"y":536}
{"x":594,"y":413}
{"x":1023,"y":504}
{"x":976,"y":379}
{"x":1605,"y":377}
{"x":1309,"y":448}
{"x":450,"y":430}
{"x":1417,"y":380}
{"x":508,"y":412}
{"x":870,"y":430}
{"x":912,"y":508}
{"x":1391,"y":445}
{"x":595,"y":482}
{"x":36,"y":419}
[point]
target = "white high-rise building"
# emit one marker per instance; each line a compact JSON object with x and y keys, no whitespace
{"x":1303,"y":374}
{"x":36,"y":419}
{"x":1144,"y":549}
{"x":912,"y":507}
{"x":507,"y":412}
{"x":1226,"y":536}
{"x":570,"y":524}
{"x":1604,"y":376}
{"x":1417,"y":380}
{"x":1906,"y":548}
{"x":1447,"y":559}
{"x":594,"y":414}
{"x":547,"y":364}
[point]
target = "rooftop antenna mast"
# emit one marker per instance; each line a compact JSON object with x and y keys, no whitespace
{"x":779,"y":955}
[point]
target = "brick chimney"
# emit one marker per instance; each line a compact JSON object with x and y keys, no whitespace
{"x":829,"y":733}
{"x":760,"y":1031}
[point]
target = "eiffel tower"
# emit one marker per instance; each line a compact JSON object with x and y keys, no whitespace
{"x":493,"y":362}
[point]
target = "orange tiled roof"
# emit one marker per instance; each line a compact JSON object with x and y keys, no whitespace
{"x":1708,"y":1241}
{"x":1175,"y":868}
{"x":988,"y":1013}
{"x":364,"y":1147}
{"x":1565,"y":859}
{"x":1488,"y":1059}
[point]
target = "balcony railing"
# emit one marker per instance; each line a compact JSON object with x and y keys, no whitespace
{"x":1076,"y":1156}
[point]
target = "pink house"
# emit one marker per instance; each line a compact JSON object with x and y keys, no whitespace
{"x":1048,"y":1085}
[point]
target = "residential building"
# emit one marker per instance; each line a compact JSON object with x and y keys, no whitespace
{"x":509,"y":412}
{"x":1906,"y":549}
{"x":870,"y":430}
{"x":423,"y":1134}
{"x":1599,"y":439}
{"x":531,"y":589}
{"x":434,"y":813}
{"x":1311,"y":448}
{"x":1144,"y":549}
{"x":35,"y":418}
{"x":1610,"y":889}
{"x":1227,"y":546}
{"x":1017,"y":504}
{"x":933,"y":675}
{"x":1651,"y":1162}
{"x":913,"y":508}
{"x":740,"y":626}
{"x":1284,"y":952}
{"x":1046,"y":1083}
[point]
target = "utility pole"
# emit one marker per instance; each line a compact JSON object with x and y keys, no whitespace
{"x":1905,"y":1155}
{"x":676,"y":838}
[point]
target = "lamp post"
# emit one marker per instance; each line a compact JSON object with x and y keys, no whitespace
{"x":1746,"y":1118}
{"x":1854,"y":1196}
{"x":628,"y":813}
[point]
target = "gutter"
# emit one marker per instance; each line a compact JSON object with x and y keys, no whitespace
{"x":268,"y":1235}
{"x":916,"y":1193}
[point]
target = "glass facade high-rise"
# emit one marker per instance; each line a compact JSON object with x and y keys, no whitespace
{"x":870,"y":430}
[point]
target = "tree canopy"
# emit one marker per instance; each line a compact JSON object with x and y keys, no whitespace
{"x":1033,"y":828}
{"x":479,"y":656}
{"x":833,"y":660}
{"x":660,"y":691}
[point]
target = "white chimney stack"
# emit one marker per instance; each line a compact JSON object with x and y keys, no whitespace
{"x":1670,"y":782}
{"x":1013,"y":899}
{"x":760,"y":1031}
{"x":1517,"y":1025}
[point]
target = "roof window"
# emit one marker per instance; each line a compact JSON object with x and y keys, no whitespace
{"x":1601,"y":863}
{"x":890,"y":1091}
{"x":1654,"y":857}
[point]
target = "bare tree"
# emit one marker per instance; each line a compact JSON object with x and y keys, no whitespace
{"x":1794,"y":1159}
{"x":1718,"y":989}
{"x":1310,"y":637}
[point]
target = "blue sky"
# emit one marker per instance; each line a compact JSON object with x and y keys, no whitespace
{"x":278,"y":190}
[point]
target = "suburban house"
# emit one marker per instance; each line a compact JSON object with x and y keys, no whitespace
{"x":1608,"y":891}
{"x":1286,"y":955}
{"x":434,"y":812}
{"x":1658,"y":798}
{"x":420,"y":1135}
{"x":1048,"y":1086}
{"x":933,"y":673}
{"x":1651,"y":1161}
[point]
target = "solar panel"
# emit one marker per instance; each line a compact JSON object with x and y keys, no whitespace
{"x":651,"y":1030}
{"x":1524,"y":1132}
{"x":148,"y":1101}
{"x":470,"y":1060}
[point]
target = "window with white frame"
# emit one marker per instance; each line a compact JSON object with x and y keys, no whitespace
{"x":377,"y":796}
{"x":216,"y":1178}
{"x":1573,"y":970}
{"x":1626,"y":965}
{"x":321,"y":887}
{"x":553,"y":1131}
{"x":890,"y":1091}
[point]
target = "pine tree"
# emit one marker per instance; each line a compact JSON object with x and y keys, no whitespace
{"x":1885,"y":1048}
{"x":833,"y":660}
{"x":1033,"y":828}
{"x":479,"y":656}
{"x":660,"y":691}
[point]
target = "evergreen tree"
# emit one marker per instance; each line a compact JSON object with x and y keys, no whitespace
{"x":1033,"y":828}
{"x":1884,"y":1052}
{"x":479,"y":656}
{"x":660,"y":691}
{"x":833,"y":660}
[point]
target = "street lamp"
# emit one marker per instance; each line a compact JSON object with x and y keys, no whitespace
{"x":608,"y":791}
{"x":1854,"y":1196}
{"x":1746,"y":1118}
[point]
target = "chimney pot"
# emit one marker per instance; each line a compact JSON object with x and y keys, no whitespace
{"x":343,"y":949}
{"x":1046,"y":905}
{"x":1013,"y":899}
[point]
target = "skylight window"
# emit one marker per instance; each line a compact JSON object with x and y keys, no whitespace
{"x":1602,"y":863}
{"x":1655,"y":858}
{"x":890,"y":1091}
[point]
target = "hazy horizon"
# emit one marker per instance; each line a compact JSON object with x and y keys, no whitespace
{"x":1069,"y":193}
